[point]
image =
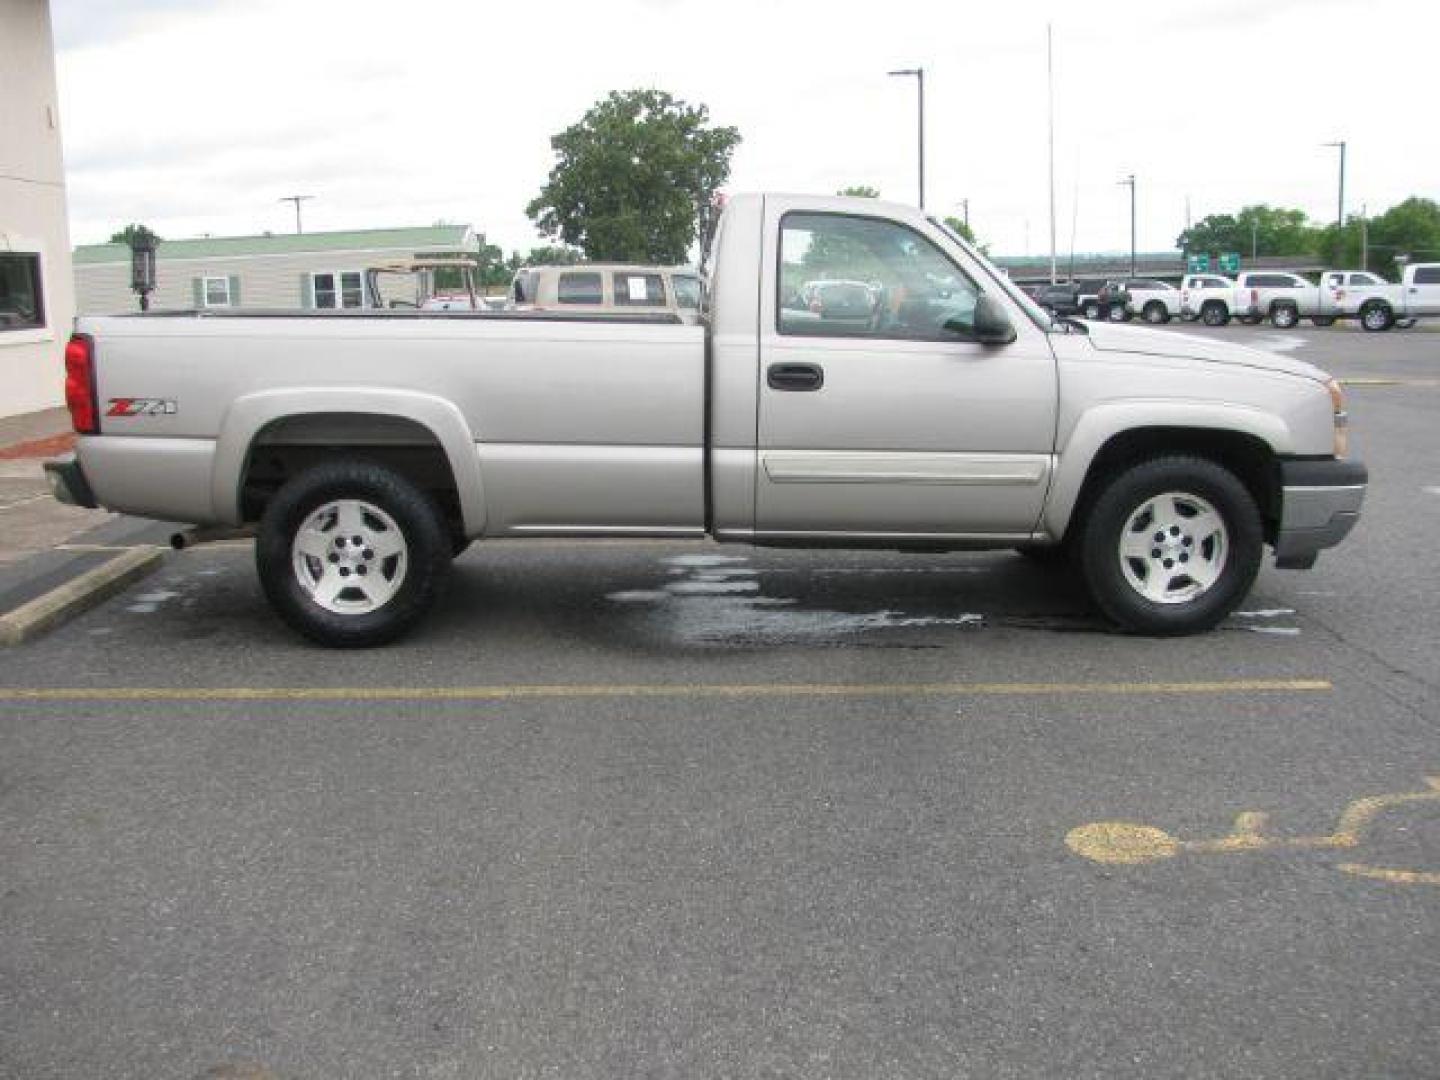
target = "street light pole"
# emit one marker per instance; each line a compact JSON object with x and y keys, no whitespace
{"x":919,"y":73}
{"x":1129,"y":182}
{"x":297,"y":200}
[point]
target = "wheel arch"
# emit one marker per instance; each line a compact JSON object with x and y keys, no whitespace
{"x":420,"y":434}
{"x":1246,"y":442}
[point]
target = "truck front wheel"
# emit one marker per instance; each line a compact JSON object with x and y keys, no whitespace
{"x":1171,"y":546}
{"x":352,"y":554}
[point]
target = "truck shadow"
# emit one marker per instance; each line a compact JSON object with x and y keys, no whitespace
{"x":755,"y":598}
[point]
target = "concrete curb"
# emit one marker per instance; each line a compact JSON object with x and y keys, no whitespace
{"x":64,"y":602}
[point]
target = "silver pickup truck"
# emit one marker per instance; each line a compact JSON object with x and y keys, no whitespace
{"x":937,"y":408}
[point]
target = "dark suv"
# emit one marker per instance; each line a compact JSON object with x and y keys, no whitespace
{"x":1061,"y":300}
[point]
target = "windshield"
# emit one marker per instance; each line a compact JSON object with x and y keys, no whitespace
{"x":1038,"y":315}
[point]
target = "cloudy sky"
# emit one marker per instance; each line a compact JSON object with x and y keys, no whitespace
{"x":197,"y":116}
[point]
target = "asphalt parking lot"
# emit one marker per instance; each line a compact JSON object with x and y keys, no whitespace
{"x":668,"y":810}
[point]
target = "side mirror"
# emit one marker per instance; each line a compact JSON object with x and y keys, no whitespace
{"x":992,"y":324}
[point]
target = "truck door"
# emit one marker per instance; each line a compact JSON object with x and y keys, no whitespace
{"x":1422,"y":294}
{"x":879,"y":414}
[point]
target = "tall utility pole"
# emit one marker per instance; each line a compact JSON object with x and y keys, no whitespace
{"x":297,"y":200}
{"x":1340,"y":213}
{"x":919,"y":73}
{"x":1050,"y":85}
{"x":1129,"y":182}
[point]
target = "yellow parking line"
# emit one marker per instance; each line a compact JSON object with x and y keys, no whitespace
{"x":657,"y":690}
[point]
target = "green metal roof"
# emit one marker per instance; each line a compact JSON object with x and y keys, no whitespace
{"x":217,"y":247}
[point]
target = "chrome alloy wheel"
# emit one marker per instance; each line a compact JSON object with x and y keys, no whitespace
{"x":350,"y":557}
{"x":1173,"y":548}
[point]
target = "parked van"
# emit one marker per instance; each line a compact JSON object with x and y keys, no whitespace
{"x":607,"y":287}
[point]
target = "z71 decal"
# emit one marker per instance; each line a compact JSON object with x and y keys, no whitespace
{"x":141,"y":406}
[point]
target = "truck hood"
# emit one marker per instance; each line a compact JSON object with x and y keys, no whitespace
{"x":1108,"y":337}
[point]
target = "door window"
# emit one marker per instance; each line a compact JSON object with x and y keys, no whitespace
{"x":575,"y":288}
{"x":844,"y":276}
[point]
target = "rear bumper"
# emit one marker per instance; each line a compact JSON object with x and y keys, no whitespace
{"x":68,"y":483}
{"x":1320,"y":504}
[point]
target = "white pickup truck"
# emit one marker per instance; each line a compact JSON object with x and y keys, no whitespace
{"x":365,"y":448}
{"x":1379,"y":305}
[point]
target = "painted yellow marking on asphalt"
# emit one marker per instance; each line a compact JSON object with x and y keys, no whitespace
{"x":1388,"y":380}
{"x":1394,"y":877}
{"x":647,"y":690}
{"x":1125,"y":843}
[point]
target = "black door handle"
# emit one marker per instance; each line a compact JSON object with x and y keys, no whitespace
{"x":795,"y":376}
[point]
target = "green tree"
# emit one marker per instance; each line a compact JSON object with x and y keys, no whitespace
{"x":1268,"y":230}
{"x":860,"y":191}
{"x":133,"y":231}
{"x":553,"y":255}
{"x":1409,"y":228}
{"x":635,"y":179}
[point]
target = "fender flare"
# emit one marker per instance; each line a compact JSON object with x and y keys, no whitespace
{"x":1099,"y":425}
{"x":248,"y":415}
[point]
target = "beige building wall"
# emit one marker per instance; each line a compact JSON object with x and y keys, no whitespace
{"x":32,"y":205}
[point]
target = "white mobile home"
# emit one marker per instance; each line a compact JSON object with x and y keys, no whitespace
{"x":301,"y":270}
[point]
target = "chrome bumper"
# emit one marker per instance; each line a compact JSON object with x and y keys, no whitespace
{"x":1320,"y":504}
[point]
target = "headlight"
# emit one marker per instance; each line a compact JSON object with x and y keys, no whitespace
{"x":1342,"y":418}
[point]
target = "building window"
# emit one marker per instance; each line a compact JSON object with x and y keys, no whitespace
{"x":22,"y":306}
{"x":217,"y":292}
{"x":338,"y":289}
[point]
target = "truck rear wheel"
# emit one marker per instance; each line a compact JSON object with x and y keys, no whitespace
{"x":1156,"y":312}
{"x":352,"y":554}
{"x":1171,"y":546}
{"x":1376,"y":316}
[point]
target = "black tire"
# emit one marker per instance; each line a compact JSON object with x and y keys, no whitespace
{"x":1156,"y":313}
{"x":422,"y":528}
{"x":1108,"y":523}
{"x":1323,"y":320}
{"x":1092,"y":310}
{"x":1284,"y":316}
{"x":1214,"y":313}
{"x":1118,"y":313}
{"x":1376,"y":316}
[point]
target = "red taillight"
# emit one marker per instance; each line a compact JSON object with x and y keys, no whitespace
{"x":80,"y":385}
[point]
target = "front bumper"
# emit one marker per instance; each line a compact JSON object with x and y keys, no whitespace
{"x":68,"y":483}
{"x":1320,"y":504}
